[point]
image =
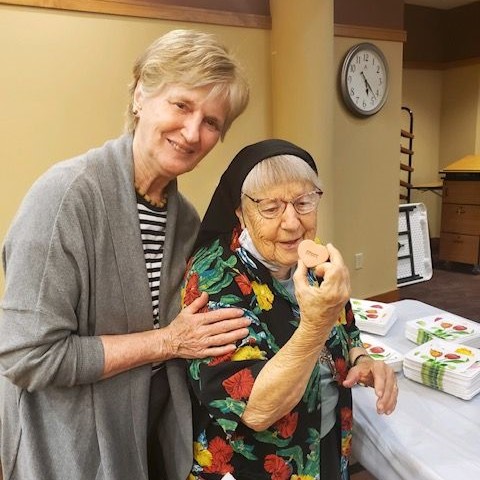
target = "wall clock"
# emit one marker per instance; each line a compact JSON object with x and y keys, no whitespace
{"x":364,"y":79}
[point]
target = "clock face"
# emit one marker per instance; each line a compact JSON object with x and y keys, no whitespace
{"x":364,"y":79}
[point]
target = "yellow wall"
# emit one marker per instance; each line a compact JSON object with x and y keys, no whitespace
{"x":358,"y":159}
{"x":446,"y":106}
{"x":422,"y":93}
{"x":460,"y":103}
{"x":303,"y":87}
{"x":366,"y":156}
{"x":64,"y":78}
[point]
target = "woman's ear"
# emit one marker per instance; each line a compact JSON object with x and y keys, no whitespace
{"x":239,"y":214}
{"x":138,"y":96}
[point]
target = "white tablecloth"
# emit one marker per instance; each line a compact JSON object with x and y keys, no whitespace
{"x":430,"y":436}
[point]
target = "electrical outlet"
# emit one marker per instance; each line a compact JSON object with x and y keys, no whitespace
{"x":358,"y":261}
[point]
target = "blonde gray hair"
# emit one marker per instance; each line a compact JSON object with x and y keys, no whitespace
{"x":190,"y":59}
{"x":278,"y":170}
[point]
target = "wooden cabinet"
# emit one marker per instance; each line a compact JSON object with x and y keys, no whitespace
{"x":460,"y":229}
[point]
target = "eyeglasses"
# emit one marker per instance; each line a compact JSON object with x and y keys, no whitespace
{"x":274,"y":207}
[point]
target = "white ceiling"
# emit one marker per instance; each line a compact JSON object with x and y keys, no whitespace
{"x":442,"y":4}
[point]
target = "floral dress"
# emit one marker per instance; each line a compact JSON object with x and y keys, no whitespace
{"x":290,"y":448}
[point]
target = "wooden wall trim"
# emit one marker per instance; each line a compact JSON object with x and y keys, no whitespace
{"x":461,"y":63}
{"x":419,"y":65}
{"x":371,"y":33}
{"x":152,"y":9}
{"x":416,"y":65}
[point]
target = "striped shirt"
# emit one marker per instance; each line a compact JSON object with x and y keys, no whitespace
{"x":153,"y":222}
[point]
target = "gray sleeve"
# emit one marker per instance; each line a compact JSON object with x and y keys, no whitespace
{"x":45,"y":316}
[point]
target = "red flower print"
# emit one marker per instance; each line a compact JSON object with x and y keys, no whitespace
{"x":221,"y":454}
{"x":187,"y":268}
{"x":347,"y":419}
{"x":240,"y":384}
{"x":234,"y":243}
{"x":341,"y":367}
{"x":220,"y":449}
{"x":220,"y":359}
{"x":287,"y":424}
{"x":243,"y":283}
{"x":277,"y":467}
{"x":349,"y":316}
{"x":191,"y":289}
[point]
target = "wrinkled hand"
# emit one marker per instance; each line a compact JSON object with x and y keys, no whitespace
{"x":380,"y":376}
{"x":321,"y":306}
{"x":194,"y":334}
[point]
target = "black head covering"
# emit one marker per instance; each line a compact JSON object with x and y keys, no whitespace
{"x":220,"y":217}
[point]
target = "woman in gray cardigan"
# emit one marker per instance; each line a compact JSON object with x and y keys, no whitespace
{"x":92,"y":337}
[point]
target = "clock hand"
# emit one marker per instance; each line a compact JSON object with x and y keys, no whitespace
{"x":365,"y":81}
{"x":368,"y":85}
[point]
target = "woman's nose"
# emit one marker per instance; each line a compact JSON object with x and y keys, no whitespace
{"x":290,"y":217}
{"x":191,"y":129}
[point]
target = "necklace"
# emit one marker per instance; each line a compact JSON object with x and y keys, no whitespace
{"x":149,"y":199}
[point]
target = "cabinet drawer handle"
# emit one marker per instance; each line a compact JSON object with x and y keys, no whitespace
{"x":460,"y":210}
{"x":458,"y":240}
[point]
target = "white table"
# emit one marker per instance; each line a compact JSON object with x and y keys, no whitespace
{"x":430,"y":436}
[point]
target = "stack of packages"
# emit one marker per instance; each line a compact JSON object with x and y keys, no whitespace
{"x":448,"y":358}
{"x":380,"y":351}
{"x":446,"y":327}
{"x":373,"y":317}
{"x":447,"y":366}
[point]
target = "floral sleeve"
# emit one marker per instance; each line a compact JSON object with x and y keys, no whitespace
{"x":223,"y":384}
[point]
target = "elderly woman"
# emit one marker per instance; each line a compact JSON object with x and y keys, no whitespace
{"x":279,"y":406}
{"x":91,"y":334}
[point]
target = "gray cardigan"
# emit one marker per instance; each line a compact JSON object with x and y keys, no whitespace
{"x":75,"y":270}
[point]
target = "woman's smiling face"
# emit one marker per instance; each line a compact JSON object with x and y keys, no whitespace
{"x":277,"y":239}
{"x":176,"y":128}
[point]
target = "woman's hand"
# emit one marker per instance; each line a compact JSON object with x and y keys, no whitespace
{"x":281,"y":383}
{"x":321,"y":306}
{"x":380,"y":376}
{"x":189,"y":335}
{"x":194,"y":334}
